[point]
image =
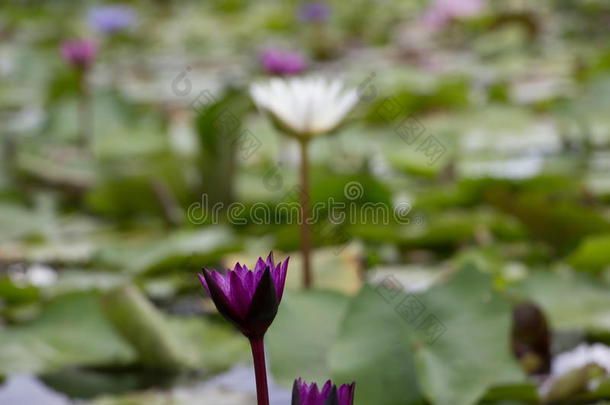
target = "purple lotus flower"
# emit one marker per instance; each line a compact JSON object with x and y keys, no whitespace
{"x":314,"y":11}
{"x":248,"y":299}
{"x":111,"y":19}
{"x":278,"y":62}
{"x":443,"y":11}
{"x":79,"y":52}
{"x":303,"y":394}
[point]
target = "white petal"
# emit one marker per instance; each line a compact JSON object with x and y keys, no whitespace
{"x":307,"y":106}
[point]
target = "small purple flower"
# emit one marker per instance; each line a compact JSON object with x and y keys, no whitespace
{"x":303,"y":394}
{"x":318,"y":11}
{"x":111,"y":19}
{"x":443,"y":11}
{"x":248,"y":299}
{"x":278,"y":62}
{"x":79,"y":52}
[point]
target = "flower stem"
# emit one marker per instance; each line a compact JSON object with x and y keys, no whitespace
{"x":305,"y":228}
{"x":260,"y":371}
{"x":85,"y":113}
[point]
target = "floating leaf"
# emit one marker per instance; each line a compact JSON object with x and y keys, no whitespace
{"x":453,"y":340}
{"x":592,"y":254}
{"x":182,"y":250}
{"x":71,"y":330}
{"x":372,"y":348}
{"x":140,"y":324}
{"x":588,"y":306}
{"x":294,"y":351}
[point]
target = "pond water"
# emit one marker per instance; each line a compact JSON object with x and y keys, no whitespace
{"x":29,"y":390}
{"x":235,"y":387}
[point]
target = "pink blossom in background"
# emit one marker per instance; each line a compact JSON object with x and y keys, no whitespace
{"x":79,"y":52}
{"x":443,"y":11}
{"x":278,"y":62}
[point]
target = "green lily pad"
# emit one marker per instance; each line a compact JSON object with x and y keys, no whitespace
{"x":572,"y":301}
{"x":453,"y":340}
{"x":561,"y":222}
{"x":140,"y":324}
{"x":592,"y":254}
{"x":294,"y":351}
{"x":213,"y":346}
{"x":172,"y":343}
{"x":71,"y":330}
{"x":372,"y":349}
{"x":17,"y":222}
{"x":182,"y":250}
{"x":474,"y":353}
{"x":520,"y":393}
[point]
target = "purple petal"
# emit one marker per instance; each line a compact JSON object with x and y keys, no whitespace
{"x":270,"y":260}
{"x":222,"y":281}
{"x":328,"y":386}
{"x":250,"y":284}
{"x":260,"y":266}
{"x":220,"y":298}
{"x":205,"y":284}
{"x":239,"y":297}
{"x":234,"y":294}
{"x":241,"y":271}
{"x":281,"y":280}
{"x":310,"y":395}
{"x":346,"y":394}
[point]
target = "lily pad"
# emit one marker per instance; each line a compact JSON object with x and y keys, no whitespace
{"x":372,"y":349}
{"x":293,"y":350}
{"x":474,"y":353}
{"x":71,"y":330}
{"x":213,"y":346}
{"x":453,"y":340}
{"x":592,"y":255}
{"x":182,"y":250}
{"x":572,"y":301}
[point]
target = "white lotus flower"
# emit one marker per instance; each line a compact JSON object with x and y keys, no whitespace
{"x":304,"y":107}
{"x":576,"y":359}
{"x":580,"y":357}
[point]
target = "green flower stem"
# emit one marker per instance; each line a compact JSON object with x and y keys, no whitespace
{"x":305,"y":226}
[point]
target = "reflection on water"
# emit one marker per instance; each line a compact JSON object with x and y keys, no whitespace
{"x":241,"y":379}
{"x":521,"y":167}
{"x":28,"y":390}
{"x":235,"y":387}
{"x":87,"y":383}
